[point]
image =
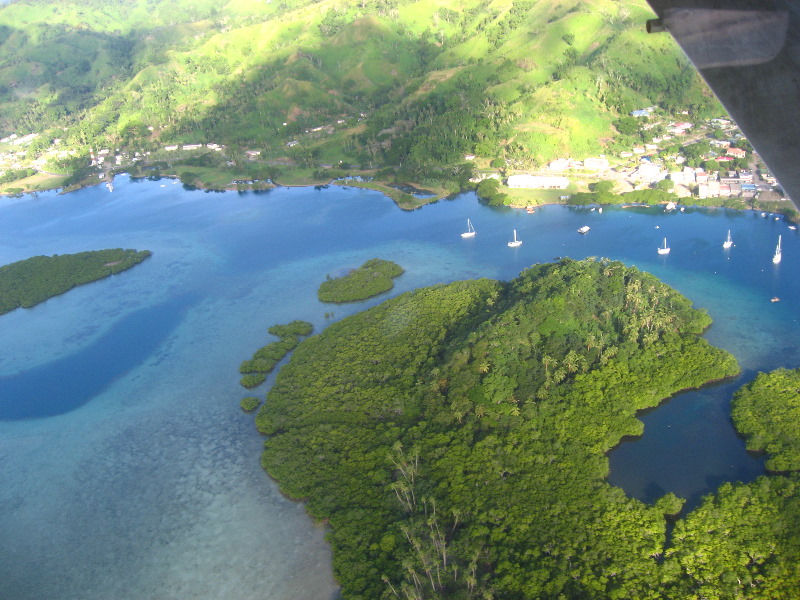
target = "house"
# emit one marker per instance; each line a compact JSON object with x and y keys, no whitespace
{"x":748,"y":190}
{"x":538,"y":182}
{"x":481,"y":176}
{"x":724,"y":144}
{"x":746,"y":176}
{"x":170,"y":148}
{"x":596,"y":164}
{"x":730,"y":177}
{"x":677,"y":176}
{"x":252,"y":153}
{"x":638,"y":150}
{"x":650,"y":147}
{"x":701,"y":177}
{"x":736,"y":153}
{"x":192,"y":146}
{"x":642,"y":112}
{"x":648,"y":172}
{"x":559,"y":164}
{"x":626,"y":154}
{"x":469,"y":157}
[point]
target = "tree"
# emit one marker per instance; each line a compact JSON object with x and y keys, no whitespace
{"x":627,"y":125}
{"x":666,"y":185}
{"x":602,"y":187}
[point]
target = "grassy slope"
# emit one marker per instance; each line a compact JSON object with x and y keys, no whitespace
{"x":235,"y":73}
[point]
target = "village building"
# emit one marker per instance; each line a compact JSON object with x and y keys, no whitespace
{"x":596,"y":164}
{"x":748,"y":190}
{"x":736,"y":153}
{"x":559,"y":164}
{"x":648,"y":172}
{"x":678,"y":177}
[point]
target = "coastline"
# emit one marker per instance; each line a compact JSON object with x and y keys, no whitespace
{"x":405,"y":200}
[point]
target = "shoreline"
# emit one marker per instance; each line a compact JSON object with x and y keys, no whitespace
{"x":405,"y":200}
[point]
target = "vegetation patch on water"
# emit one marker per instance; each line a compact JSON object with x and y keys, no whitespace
{"x":250,"y":403}
{"x":455,"y":437}
{"x":265,"y":358}
{"x":28,"y":282}
{"x":370,"y":279}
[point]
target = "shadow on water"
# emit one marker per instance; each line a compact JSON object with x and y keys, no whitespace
{"x":63,"y":385}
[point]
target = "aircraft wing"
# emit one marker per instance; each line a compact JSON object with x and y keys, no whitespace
{"x":748,"y":51}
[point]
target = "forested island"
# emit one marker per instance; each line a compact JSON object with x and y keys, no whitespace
{"x":370,"y":279}
{"x":28,"y":282}
{"x":455,"y":440}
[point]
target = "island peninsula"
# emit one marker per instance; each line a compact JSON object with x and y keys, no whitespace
{"x":455,"y":440}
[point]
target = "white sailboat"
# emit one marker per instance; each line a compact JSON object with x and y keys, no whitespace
{"x":729,"y":242}
{"x":777,"y":258}
{"x":470,"y":232}
{"x":665,"y":249}
{"x":516,"y":242}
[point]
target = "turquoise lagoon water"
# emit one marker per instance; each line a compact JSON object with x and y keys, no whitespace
{"x":128,"y":469}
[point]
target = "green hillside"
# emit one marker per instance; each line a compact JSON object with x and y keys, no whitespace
{"x":377,"y":82}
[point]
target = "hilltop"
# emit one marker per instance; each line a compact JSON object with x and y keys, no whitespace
{"x":412,"y":85}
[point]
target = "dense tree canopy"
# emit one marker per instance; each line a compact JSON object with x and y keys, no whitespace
{"x":370,"y":279}
{"x":28,"y":282}
{"x":767,"y":412}
{"x":455,"y":436}
{"x":254,"y":371}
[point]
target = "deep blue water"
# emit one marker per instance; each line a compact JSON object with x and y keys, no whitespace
{"x":66,"y":383}
{"x":119,"y":421}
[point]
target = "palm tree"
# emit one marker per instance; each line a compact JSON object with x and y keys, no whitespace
{"x":548,"y":361}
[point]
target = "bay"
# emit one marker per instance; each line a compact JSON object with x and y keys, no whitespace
{"x":137,"y":475}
